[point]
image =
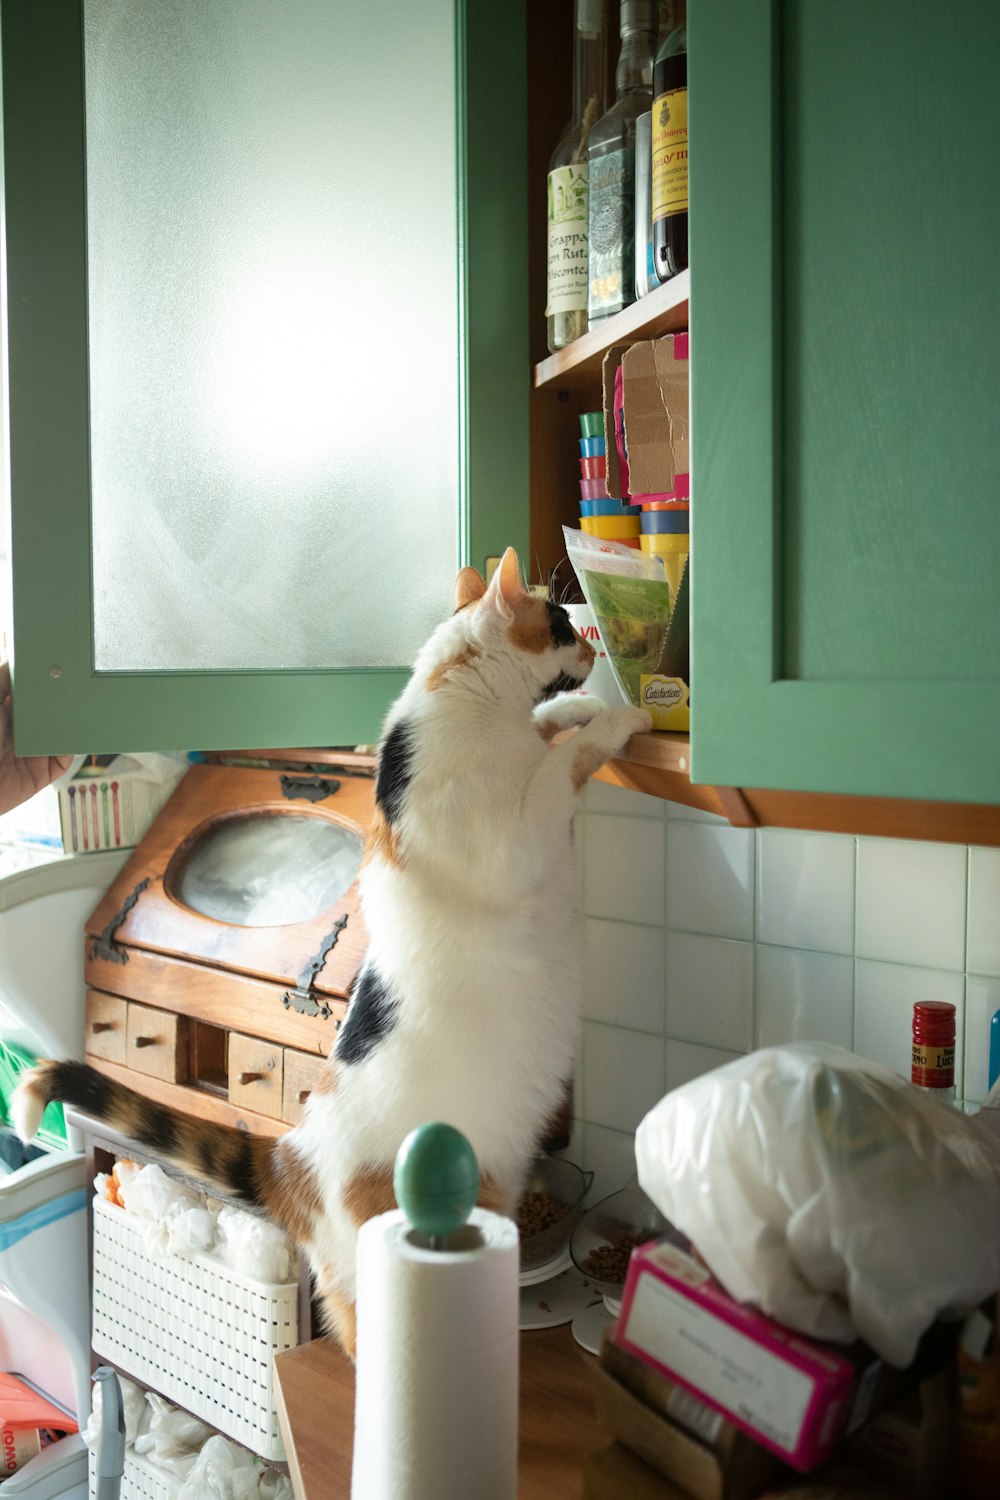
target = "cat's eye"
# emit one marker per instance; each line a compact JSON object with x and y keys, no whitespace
{"x":268,"y":869}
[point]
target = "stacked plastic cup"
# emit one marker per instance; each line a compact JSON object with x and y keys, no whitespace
{"x":666,"y":526}
{"x":600,"y":516}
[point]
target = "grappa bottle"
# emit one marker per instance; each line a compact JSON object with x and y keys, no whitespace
{"x":566,"y":280}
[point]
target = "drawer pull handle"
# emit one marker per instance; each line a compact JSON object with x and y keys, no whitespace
{"x":304,"y":1095}
{"x":146,"y":1041}
{"x":246,"y":1078}
{"x":97,"y":1026}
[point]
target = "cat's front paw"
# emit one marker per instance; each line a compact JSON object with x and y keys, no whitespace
{"x":629,"y":721}
{"x":567,"y":711}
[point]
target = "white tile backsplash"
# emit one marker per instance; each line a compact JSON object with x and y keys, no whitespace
{"x":983,"y":955}
{"x":805,"y":890}
{"x":622,"y":1075}
{"x":710,"y":879}
{"x":685,"y":1061}
{"x":884,"y":997}
{"x":624,"y":867}
{"x":911,"y":902}
{"x":623,"y":974}
{"x":703,"y":940}
{"x":710,"y":991}
{"x":803,"y":997}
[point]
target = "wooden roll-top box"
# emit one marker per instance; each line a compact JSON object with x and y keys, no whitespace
{"x":219,"y":1018}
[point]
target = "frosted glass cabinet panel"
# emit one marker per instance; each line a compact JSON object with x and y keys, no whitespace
{"x":251,"y":197}
{"x":262,"y":343}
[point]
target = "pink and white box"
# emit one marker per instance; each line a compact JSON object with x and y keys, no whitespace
{"x":790,"y":1393}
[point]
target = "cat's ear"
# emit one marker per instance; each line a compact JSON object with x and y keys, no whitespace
{"x":506,"y":589}
{"x":470,"y":586}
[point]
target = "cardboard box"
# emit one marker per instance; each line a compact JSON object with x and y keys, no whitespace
{"x":657,"y":413}
{"x":615,"y":481}
{"x":720,"y":1464}
{"x":613,"y":1473}
{"x":791,"y":1394}
{"x":112,"y":800}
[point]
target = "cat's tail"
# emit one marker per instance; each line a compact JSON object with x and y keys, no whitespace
{"x":219,"y":1155}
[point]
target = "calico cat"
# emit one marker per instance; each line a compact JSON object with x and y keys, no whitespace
{"x":466,"y":1008}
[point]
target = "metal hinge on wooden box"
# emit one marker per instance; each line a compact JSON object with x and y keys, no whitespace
{"x":219,"y":962}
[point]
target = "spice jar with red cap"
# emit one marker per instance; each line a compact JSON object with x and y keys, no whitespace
{"x":933,"y":1063}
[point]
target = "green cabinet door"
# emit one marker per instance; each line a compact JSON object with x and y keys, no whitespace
{"x":265,"y":356}
{"x":845,"y":308}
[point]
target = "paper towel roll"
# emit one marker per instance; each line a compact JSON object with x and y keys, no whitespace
{"x":437,"y":1350}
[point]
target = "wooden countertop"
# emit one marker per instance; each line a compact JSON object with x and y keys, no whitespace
{"x":315,"y":1398}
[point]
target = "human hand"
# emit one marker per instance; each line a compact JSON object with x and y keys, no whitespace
{"x":21,"y":776}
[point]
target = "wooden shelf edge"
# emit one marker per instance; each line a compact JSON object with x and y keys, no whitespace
{"x":657,"y":764}
{"x":662,"y":311}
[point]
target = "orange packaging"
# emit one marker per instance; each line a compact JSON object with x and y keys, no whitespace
{"x":17,"y":1445}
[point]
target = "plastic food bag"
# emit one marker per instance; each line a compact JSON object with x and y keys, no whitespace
{"x":631,"y":601}
{"x":830,"y":1192}
{"x":137,"y":1413}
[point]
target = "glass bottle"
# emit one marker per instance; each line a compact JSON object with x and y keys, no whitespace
{"x":566,"y":279}
{"x":670,"y":150}
{"x":933,"y":1065}
{"x":611,"y":160}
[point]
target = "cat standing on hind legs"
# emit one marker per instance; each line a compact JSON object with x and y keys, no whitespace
{"x":467,"y":1006}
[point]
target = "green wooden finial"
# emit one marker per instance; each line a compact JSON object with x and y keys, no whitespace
{"x":436,"y":1179}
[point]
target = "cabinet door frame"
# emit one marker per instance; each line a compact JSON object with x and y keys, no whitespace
{"x":751,"y":725}
{"x":62,"y":703}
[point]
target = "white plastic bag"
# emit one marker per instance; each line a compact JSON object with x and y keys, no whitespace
{"x":253,"y":1247}
{"x":830,"y":1192}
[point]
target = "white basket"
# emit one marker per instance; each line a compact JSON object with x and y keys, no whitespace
{"x":192,"y":1329}
{"x":141,"y":1479}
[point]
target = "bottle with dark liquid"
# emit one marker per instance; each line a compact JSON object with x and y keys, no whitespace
{"x":670,"y":150}
{"x":566,"y":280}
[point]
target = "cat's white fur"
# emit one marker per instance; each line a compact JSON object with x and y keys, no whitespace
{"x":477,"y":928}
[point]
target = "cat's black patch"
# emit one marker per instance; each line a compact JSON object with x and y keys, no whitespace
{"x":395,"y":767}
{"x":79,"y":1084}
{"x":370,"y":1016}
{"x":559,"y":623}
{"x":158,"y":1129}
{"x":561,"y":684}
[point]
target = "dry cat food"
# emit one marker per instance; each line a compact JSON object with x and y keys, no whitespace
{"x":537,"y":1211}
{"x":610,"y":1262}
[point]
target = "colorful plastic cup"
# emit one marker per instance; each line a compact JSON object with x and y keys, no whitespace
{"x":593,"y":468}
{"x":602,"y":508}
{"x":594,"y":489}
{"x":614,"y":528}
{"x":592,"y":424}
{"x":665,"y":522}
{"x":592,"y":447}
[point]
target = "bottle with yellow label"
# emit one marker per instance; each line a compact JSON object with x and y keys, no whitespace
{"x":670,"y":150}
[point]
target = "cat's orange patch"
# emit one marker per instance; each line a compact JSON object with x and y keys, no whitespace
{"x":292,"y":1195}
{"x":338,"y":1312}
{"x":587,"y":652}
{"x":531,"y":630}
{"x":368,"y":1193}
{"x":382,"y":840}
{"x":463,"y":658}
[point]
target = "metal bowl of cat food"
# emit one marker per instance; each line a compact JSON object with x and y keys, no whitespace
{"x":549,"y":1210}
{"x":603,"y":1240}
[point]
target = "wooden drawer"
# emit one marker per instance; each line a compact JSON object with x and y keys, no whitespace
{"x":157,"y":1043}
{"x":302,"y":1071}
{"x":106,"y":1026}
{"x":256,"y":1072}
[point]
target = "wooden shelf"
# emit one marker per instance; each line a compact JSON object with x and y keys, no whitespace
{"x":664,"y":310}
{"x":658,"y":765}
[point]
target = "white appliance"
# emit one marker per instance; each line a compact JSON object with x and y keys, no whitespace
{"x":44,"y":1294}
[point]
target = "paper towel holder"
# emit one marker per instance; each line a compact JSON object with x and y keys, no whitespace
{"x":436,"y":1182}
